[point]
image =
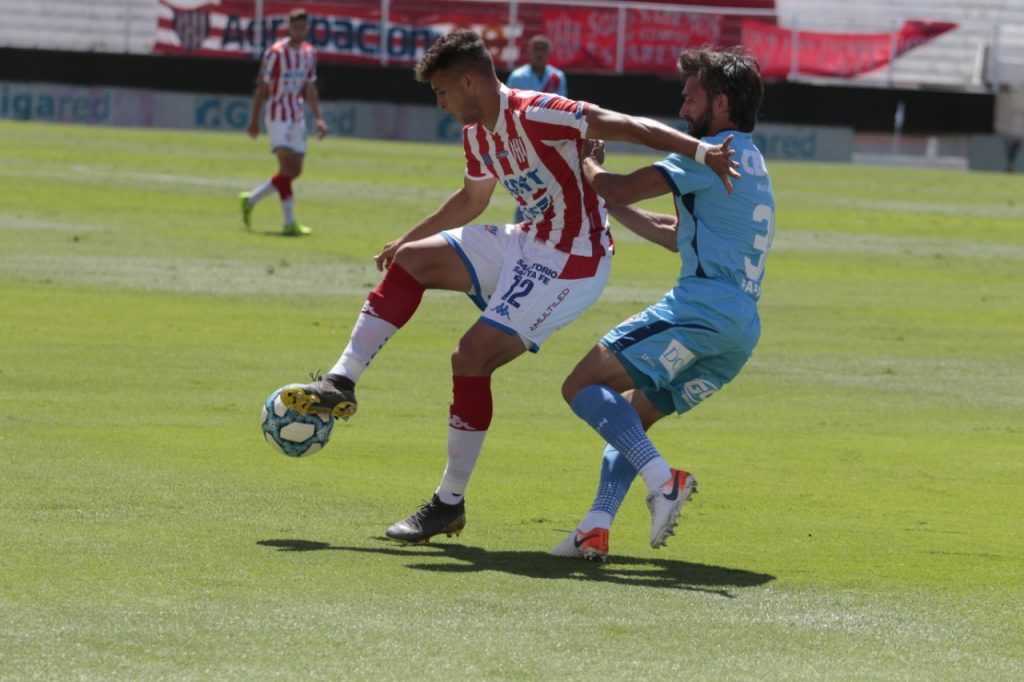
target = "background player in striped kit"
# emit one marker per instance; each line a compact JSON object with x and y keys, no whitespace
{"x":681,"y":350}
{"x":529,"y":280}
{"x":287,"y":79}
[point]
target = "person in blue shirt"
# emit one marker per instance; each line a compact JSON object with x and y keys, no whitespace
{"x":537,"y":75}
{"x":678,"y":352}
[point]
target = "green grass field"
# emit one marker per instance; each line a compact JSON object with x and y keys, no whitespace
{"x":861,"y":513}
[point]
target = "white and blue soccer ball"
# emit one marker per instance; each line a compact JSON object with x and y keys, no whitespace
{"x":292,"y":433}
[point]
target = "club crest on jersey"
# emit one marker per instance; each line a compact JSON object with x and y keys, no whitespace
{"x":518,"y":149}
{"x":192,"y":27}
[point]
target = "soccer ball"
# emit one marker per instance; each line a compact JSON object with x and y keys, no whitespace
{"x":291,"y":433}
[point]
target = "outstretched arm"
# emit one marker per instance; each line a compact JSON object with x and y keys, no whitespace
{"x":654,"y":227}
{"x":605,"y":124}
{"x":459,"y":209}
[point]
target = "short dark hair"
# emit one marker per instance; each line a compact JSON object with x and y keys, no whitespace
{"x":539,"y":38}
{"x":732,"y":73}
{"x":462,"y":50}
{"x":297,"y":14}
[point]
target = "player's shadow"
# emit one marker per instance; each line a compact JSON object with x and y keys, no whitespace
{"x":623,"y":570}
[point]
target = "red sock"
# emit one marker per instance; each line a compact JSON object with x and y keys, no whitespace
{"x":396,"y":297}
{"x":283,"y":184}
{"x":472,"y":407}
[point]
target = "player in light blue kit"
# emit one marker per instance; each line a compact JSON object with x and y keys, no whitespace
{"x":681,"y":350}
{"x":537,"y":74}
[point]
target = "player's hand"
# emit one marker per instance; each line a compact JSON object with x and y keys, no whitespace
{"x":387,"y":255}
{"x":321,"y":128}
{"x":593,"y":149}
{"x":253,"y":129}
{"x":719,"y":159}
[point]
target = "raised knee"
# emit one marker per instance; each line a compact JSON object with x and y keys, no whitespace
{"x":464,"y":363}
{"x":411,"y":260}
{"x":570,"y":388}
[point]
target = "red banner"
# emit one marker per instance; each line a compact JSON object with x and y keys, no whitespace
{"x":341,"y":31}
{"x":832,"y":54}
{"x":585,"y":39}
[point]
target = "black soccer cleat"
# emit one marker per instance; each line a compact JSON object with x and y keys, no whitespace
{"x":433,"y":518}
{"x":333,"y":394}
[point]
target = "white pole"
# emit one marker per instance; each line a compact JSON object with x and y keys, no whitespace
{"x":794,"y":50}
{"x":127,"y":26}
{"x":892,"y":50}
{"x":620,"y":41}
{"x":385,"y":24}
{"x":513,"y":16}
{"x":994,"y":77}
{"x":897,"y":126}
{"x":257,"y":29}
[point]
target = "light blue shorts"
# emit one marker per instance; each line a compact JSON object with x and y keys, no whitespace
{"x":688,"y":345}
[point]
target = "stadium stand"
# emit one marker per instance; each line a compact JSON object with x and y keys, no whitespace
{"x":94,"y":26}
{"x":963,"y":58}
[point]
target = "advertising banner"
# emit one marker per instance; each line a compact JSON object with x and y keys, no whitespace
{"x":349,"y":32}
{"x":583,"y":38}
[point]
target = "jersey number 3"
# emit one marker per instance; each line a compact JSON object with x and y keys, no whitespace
{"x":762,"y":242}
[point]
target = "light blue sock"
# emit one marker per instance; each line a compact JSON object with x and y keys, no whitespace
{"x":617,"y":422}
{"x":617,"y":475}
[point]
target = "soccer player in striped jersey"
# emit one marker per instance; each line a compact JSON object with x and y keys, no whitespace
{"x":287,"y":80}
{"x":539,"y":76}
{"x":528,"y":279}
{"x":681,"y":350}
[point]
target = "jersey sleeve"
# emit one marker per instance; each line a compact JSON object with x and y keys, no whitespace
{"x":684,"y":174}
{"x":268,"y":66}
{"x":475,"y":168}
{"x":553,"y":117}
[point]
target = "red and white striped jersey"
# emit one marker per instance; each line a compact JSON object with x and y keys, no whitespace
{"x":534,"y":151}
{"x":286,"y":71}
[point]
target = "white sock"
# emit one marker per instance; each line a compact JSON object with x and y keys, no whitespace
{"x":262,"y":190}
{"x":463,"y":450}
{"x":368,"y":336}
{"x":288,"y":207}
{"x":595,"y":519}
{"x":656,"y":473}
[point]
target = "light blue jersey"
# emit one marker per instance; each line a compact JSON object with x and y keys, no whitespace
{"x":722,"y":236}
{"x":524,"y":78}
{"x":685,"y":347}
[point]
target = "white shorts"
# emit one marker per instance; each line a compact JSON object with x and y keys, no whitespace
{"x":288,"y":134}
{"x":523,"y":286}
